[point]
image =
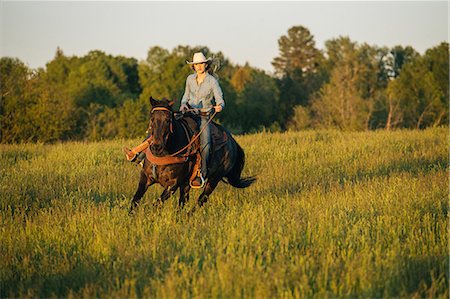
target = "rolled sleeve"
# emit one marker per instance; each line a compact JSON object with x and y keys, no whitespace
{"x":218,"y":94}
{"x":185,"y":98}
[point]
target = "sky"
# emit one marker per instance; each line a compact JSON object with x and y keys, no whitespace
{"x":242,"y":31}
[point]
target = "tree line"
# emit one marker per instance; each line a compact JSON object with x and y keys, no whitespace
{"x":349,"y":86}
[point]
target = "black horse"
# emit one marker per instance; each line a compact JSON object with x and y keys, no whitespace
{"x":168,"y":136}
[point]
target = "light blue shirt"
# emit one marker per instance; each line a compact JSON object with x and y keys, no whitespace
{"x":201,"y":95}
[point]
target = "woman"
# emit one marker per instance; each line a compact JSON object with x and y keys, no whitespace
{"x":202,"y":92}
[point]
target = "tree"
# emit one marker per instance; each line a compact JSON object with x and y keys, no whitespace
{"x":133,"y":118}
{"x":91,"y":84}
{"x":297,"y":52}
{"x":258,"y":102}
{"x":58,"y":70}
{"x":33,"y":108}
{"x":418,"y":93}
{"x":53,"y":115}
{"x":299,"y":69}
{"x":436,"y":60}
{"x":339,"y":103}
{"x":343,"y":101}
{"x":301,"y":119}
{"x":386,"y":109}
{"x":17,"y":84}
{"x":241,"y":77}
{"x":103,"y":79}
{"x":419,"y":97}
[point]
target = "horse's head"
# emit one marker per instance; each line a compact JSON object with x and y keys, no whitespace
{"x":161,"y":124}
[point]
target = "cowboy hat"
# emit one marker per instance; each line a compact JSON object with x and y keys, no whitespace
{"x":199,"y":58}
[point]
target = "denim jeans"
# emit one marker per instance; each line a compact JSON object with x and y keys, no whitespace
{"x":205,"y":143}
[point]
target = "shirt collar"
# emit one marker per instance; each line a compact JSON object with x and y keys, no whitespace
{"x":206,"y":76}
{"x":204,"y":80}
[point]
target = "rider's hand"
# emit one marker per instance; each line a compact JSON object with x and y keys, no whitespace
{"x":184,"y":108}
{"x":218,"y":108}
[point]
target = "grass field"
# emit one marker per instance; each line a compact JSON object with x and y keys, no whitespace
{"x":332,"y":214}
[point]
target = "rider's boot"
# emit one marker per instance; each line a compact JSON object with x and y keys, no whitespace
{"x":200,"y":179}
{"x":137,"y":154}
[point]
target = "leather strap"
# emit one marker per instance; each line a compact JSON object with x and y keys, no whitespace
{"x":166,"y":160}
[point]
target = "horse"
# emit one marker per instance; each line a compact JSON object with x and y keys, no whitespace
{"x":171,"y":135}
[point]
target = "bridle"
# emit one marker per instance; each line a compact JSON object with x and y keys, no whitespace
{"x":166,"y":110}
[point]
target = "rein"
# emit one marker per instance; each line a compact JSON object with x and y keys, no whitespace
{"x":173,"y":158}
{"x":196,"y":136}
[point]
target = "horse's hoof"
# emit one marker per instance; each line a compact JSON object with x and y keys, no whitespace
{"x":133,"y":208}
{"x":192,"y":211}
{"x":157,"y":204}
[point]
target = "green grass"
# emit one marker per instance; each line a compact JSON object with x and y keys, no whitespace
{"x":332,"y":214}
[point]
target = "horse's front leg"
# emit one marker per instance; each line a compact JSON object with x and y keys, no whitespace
{"x":203,"y":198}
{"x":184,"y":194}
{"x":209,"y":188}
{"x":165,"y":195}
{"x":144,"y":183}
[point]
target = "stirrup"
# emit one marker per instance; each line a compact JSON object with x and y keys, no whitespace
{"x":199,"y":175}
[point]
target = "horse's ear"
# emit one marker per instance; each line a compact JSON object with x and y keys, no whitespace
{"x":171,"y":103}
{"x":153,"y":102}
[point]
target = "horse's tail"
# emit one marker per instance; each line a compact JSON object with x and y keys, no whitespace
{"x":234,"y":176}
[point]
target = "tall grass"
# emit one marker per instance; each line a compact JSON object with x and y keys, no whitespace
{"x":332,"y":214}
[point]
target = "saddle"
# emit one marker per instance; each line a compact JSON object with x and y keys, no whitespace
{"x":218,"y":134}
